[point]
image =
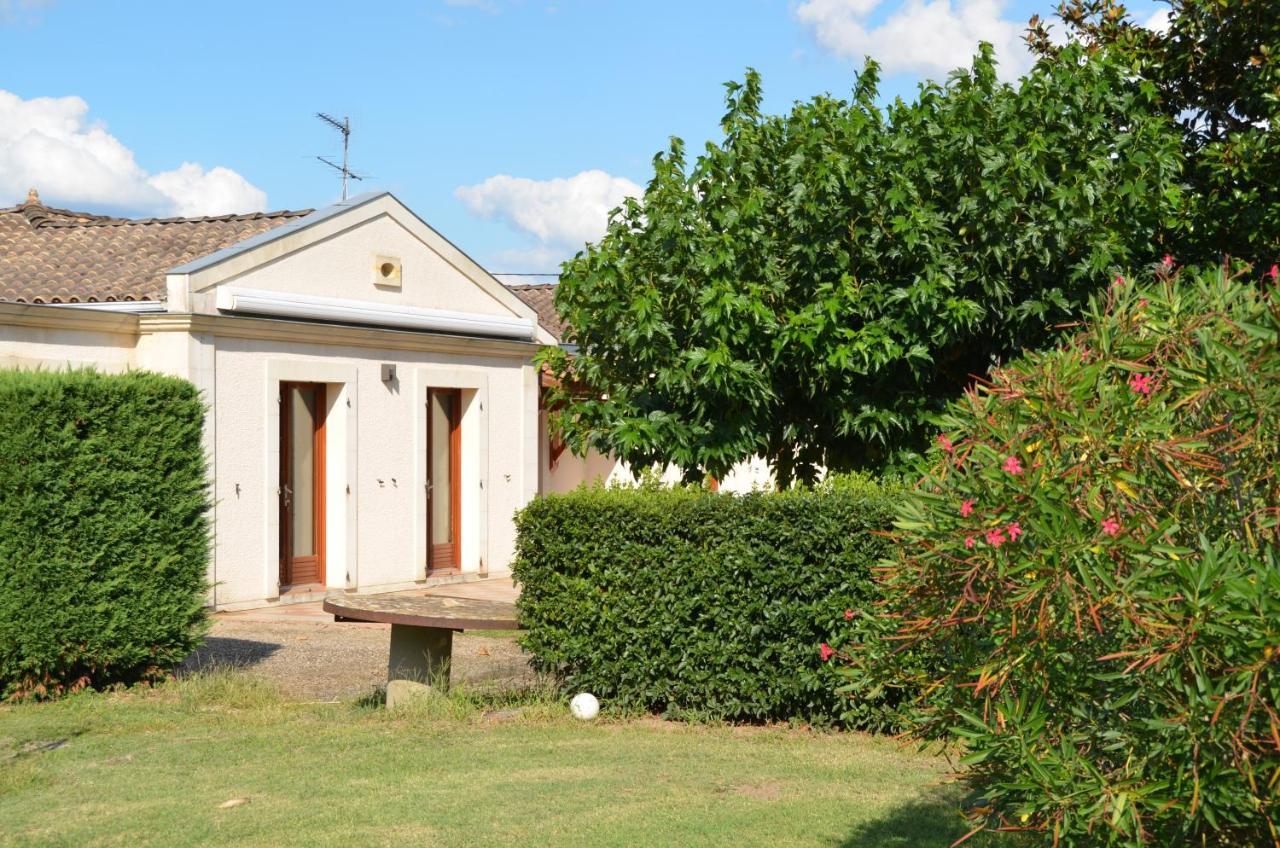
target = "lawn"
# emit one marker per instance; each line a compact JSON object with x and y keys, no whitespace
{"x":154,"y":767}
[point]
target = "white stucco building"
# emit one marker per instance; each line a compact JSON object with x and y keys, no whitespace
{"x":373,"y":410}
{"x":374,"y":419}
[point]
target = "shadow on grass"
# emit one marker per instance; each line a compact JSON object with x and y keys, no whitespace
{"x":219,"y":652}
{"x":926,"y":821}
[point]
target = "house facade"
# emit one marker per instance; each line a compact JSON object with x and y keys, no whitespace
{"x":373,"y":418}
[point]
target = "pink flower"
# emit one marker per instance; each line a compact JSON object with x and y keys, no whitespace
{"x":1167,"y":262}
{"x":1012,"y":465}
{"x":1142,"y":301}
{"x":966,"y":508}
{"x":1141,"y":384}
{"x":1015,"y":530}
{"x":1117,"y":282}
{"x":995,"y":538}
{"x":848,"y":615}
{"x":1111,"y":527}
{"x":969,"y":542}
{"x":1274,"y":273}
{"x":945,"y":443}
{"x":825,"y":651}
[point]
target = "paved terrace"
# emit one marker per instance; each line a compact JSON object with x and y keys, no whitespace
{"x":301,"y":649}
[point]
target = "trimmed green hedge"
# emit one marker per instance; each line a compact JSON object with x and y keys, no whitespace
{"x":103,"y":532}
{"x":701,"y":604}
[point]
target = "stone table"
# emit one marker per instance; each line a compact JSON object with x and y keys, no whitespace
{"x":422,"y":631}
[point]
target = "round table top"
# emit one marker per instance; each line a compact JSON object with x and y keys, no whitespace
{"x":427,"y":611}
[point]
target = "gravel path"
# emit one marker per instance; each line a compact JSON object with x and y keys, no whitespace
{"x":324,"y":661}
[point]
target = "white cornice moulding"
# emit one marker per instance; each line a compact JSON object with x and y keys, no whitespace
{"x":314,"y":307}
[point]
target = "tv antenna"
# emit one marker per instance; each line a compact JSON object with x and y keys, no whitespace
{"x":344,"y":127}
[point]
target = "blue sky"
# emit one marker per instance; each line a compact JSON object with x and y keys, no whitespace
{"x":481,"y":115}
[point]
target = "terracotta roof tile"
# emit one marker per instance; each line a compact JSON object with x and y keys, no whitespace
{"x":60,"y":256}
{"x":542,"y":297}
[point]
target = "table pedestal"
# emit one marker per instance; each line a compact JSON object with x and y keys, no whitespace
{"x":419,"y":660}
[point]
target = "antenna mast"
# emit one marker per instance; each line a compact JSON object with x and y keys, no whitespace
{"x":344,"y":127}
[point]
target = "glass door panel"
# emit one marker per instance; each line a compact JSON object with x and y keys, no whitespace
{"x":443,"y":474}
{"x":302,"y":408}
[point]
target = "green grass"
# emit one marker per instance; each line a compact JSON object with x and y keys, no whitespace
{"x":152,"y":767}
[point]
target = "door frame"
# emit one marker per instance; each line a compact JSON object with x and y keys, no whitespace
{"x":454,"y":561}
{"x":318,"y":483}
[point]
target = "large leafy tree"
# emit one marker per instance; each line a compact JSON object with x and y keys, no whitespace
{"x":814,"y":287}
{"x":1216,"y":66}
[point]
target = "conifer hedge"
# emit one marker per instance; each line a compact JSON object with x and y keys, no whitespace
{"x":700,"y":604}
{"x":103,"y":531}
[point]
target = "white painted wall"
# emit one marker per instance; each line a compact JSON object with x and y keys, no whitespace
{"x":63,"y":347}
{"x":570,"y":471}
{"x":344,"y":266}
{"x":376,"y":446}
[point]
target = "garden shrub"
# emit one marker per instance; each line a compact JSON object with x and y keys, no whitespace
{"x":701,"y":604}
{"x":103,"y":535}
{"x":1089,"y":562}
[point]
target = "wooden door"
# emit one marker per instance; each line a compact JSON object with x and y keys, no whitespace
{"x":302,"y":411}
{"x":444,"y":475}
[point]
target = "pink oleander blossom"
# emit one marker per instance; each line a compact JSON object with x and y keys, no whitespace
{"x":969,"y":542}
{"x":1015,"y":530}
{"x":1274,"y":273}
{"x":826,"y":651}
{"x":848,"y":615}
{"x":945,"y":443}
{"x":995,"y":538}
{"x":1141,"y":384}
{"x":1111,"y":527}
{"x":966,"y":508}
{"x":1012,"y":465}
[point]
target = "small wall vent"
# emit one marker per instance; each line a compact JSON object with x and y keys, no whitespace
{"x":386,"y":272}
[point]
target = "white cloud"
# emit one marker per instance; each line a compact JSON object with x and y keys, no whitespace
{"x":195,"y":191}
{"x":562,"y":213}
{"x":931,"y":37}
{"x":1158,"y":22}
{"x":21,"y":11}
{"x":49,"y":143}
{"x":482,"y":5}
{"x":538,"y":259}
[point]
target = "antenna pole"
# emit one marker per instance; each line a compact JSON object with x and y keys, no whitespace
{"x":346,"y":137}
{"x":344,"y":127}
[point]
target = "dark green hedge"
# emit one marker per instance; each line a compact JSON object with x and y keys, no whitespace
{"x":700,"y":604}
{"x":103,"y":536}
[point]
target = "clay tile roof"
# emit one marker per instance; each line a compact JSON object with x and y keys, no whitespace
{"x":59,"y":256}
{"x":542,"y":297}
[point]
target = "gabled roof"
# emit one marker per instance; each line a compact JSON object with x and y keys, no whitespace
{"x":542,"y":298}
{"x":61,"y":256}
{"x":50,"y":255}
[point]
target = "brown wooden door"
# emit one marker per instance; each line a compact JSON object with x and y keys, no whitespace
{"x":302,"y":410}
{"x":444,"y":475}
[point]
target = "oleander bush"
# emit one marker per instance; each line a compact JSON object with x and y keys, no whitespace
{"x":103,"y":534}
{"x":702,"y":604}
{"x":1089,"y":566}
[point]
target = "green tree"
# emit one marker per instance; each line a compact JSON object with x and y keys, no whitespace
{"x":816,"y":285}
{"x":1217,"y":70}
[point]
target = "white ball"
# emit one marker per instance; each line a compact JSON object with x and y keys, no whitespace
{"x":584,"y":706}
